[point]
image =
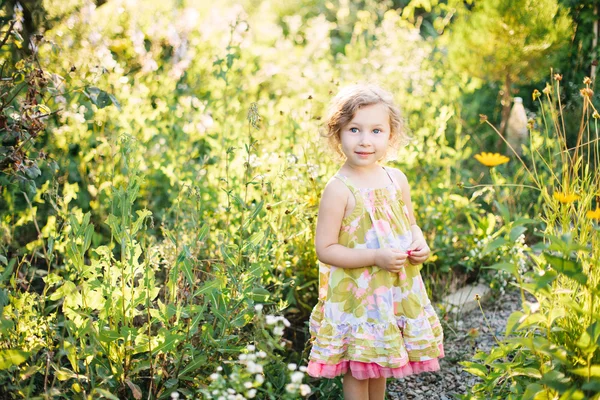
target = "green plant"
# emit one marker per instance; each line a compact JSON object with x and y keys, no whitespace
{"x":551,"y":348}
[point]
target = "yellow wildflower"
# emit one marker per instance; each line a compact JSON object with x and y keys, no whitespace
{"x":491,"y":159}
{"x":594,"y":214}
{"x":565,"y":198}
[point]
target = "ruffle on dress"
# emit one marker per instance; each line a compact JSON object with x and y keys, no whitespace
{"x":385,"y":343}
{"x":361,"y":370}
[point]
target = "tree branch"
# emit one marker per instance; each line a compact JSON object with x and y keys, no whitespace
{"x":12,"y":23}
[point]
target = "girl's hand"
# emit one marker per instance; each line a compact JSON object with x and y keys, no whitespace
{"x":392,"y":260}
{"x":418,"y":252}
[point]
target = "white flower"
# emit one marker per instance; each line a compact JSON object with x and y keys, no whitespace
{"x":215,"y":392}
{"x":278,"y":330}
{"x":292,"y":159}
{"x":247,"y":384}
{"x":219,"y":368}
{"x":271,"y":319}
{"x":254,"y":161}
{"x":291,"y":387}
{"x":297,"y":377}
{"x":260,"y":379}
{"x":292,"y":367}
{"x":254,"y":368}
{"x":304,"y":390}
{"x":251,"y":393}
{"x":251,"y":347}
{"x":243,"y":357}
{"x":230,"y":391}
{"x":258,"y":308}
{"x":286,"y":322}
{"x":214,"y":376}
{"x":262,"y":354}
{"x":303,"y":368}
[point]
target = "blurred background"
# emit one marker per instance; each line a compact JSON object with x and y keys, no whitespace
{"x":162,"y":167}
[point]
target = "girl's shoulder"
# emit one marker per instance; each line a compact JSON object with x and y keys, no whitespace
{"x":398,"y":174}
{"x":336,"y":187}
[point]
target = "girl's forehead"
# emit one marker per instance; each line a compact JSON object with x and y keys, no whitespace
{"x":371,"y":112}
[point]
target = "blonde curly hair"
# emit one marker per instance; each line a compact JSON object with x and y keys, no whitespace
{"x":349,"y":99}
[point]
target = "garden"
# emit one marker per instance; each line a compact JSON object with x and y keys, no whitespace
{"x":162,"y":164}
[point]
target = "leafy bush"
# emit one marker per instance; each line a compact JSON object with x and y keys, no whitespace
{"x":551,"y":349}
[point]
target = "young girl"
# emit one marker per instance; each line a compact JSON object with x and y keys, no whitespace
{"x":373,"y":319}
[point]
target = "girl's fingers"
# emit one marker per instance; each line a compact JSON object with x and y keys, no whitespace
{"x":418,"y":253}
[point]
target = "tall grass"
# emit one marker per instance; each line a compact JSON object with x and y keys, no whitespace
{"x":552,"y":346}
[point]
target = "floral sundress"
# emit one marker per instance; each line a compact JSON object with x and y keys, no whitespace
{"x":369,"y":320}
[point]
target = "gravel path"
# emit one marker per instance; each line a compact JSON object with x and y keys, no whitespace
{"x":458,"y":346}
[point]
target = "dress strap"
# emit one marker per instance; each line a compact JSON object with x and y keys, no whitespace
{"x":347,"y":182}
{"x":396,"y":184}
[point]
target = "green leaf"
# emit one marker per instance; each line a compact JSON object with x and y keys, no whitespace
{"x":593,"y":386}
{"x":8,"y":358}
{"x":256,"y":269}
{"x":105,"y":393}
{"x":260,"y":294}
{"x":100,"y":98}
{"x":170,"y":342}
{"x":530,"y":372}
{"x":195,"y":364}
{"x":476,"y":369}
{"x":556,"y":380}
{"x":513,"y":321}
{"x":532,"y":390}
{"x":33,"y":171}
{"x":493,"y":245}
{"x":142,"y":215}
{"x":188,"y":272}
{"x":545,"y":280}
{"x":591,"y":371}
{"x":573,"y":394}
{"x":516,"y":232}
{"x":254,"y":240}
{"x":504,"y":266}
{"x":203,"y":232}
{"x":589,"y":338}
{"x":208,"y":286}
{"x":254,"y":213}
{"x":7,"y":271}
{"x":567,"y":267}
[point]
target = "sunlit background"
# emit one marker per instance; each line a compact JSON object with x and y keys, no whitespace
{"x":162,"y":166}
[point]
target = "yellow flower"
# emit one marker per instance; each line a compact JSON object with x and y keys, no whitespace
{"x":491,"y":159}
{"x":565,"y":198}
{"x":594,"y":214}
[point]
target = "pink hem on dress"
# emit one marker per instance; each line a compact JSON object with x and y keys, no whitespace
{"x":361,"y":370}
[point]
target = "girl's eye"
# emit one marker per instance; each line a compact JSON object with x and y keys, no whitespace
{"x":376,"y":131}
{"x":353,"y":130}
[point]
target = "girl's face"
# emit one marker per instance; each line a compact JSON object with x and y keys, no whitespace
{"x":365,"y":138}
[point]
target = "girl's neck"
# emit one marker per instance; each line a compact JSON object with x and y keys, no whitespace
{"x":361,"y":171}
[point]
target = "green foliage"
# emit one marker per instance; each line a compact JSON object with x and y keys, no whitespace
{"x":514,"y":40}
{"x":189,"y":176}
{"x":551,"y":346}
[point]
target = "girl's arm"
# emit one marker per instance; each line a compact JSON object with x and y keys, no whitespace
{"x":329,"y":222}
{"x":419,"y":249}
